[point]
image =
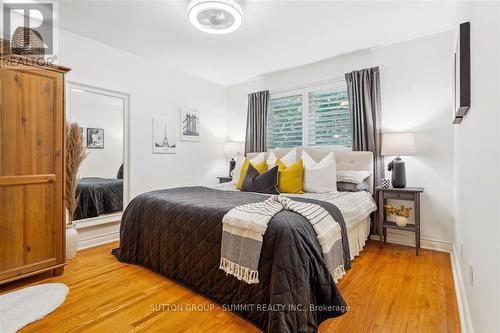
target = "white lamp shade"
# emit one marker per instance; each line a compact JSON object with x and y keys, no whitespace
{"x":232,"y":148}
{"x":398,"y":144}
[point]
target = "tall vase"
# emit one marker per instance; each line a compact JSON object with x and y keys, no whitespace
{"x":71,"y":239}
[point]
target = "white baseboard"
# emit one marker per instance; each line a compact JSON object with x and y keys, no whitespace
{"x":98,"y":240}
{"x":408,"y":239}
{"x":463,"y":304}
{"x":98,"y":235}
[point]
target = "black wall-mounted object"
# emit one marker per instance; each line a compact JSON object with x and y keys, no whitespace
{"x":462,"y":73}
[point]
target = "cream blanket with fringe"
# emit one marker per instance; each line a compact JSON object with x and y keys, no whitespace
{"x":244,"y":227}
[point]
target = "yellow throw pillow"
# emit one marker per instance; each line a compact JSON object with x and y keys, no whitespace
{"x":290,"y":177}
{"x":261,"y":168}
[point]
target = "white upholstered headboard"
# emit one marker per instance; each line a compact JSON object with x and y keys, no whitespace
{"x":346,"y":160}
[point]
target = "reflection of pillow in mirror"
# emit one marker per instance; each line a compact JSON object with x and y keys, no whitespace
{"x":119,"y":175}
{"x":288,"y":159}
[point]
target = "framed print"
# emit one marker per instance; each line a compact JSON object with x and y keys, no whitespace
{"x":164,"y":138}
{"x":190,"y":125}
{"x":95,"y":138}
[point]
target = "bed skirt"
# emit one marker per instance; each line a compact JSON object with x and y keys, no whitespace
{"x":358,"y":234}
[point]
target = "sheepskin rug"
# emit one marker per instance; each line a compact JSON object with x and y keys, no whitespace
{"x":24,"y":306}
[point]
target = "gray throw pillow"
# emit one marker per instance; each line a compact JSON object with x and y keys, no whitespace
{"x":351,"y":187}
{"x":266,"y":182}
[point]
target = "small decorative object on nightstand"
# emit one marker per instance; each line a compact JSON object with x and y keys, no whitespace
{"x":231,"y":149}
{"x":408,"y":193}
{"x":385,"y":183}
{"x":224,"y":179}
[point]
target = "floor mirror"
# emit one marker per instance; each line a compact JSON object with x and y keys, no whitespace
{"x":103,"y":179}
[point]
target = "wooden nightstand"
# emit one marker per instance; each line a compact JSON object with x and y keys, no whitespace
{"x":224,"y":179}
{"x":407,"y":193}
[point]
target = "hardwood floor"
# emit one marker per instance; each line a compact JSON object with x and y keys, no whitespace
{"x":388,"y":290}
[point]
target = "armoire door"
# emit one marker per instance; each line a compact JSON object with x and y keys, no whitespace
{"x":31,"y":170}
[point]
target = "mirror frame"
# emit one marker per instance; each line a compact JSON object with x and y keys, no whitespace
{"x":113,"y":217}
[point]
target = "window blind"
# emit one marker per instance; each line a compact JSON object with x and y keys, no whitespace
{"x":313,"y":116}
{"x":329,"y":118}
{"x":285,"y":122}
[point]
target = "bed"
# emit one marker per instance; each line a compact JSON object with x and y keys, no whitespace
{"x":98,"y":196}
{"x":177,"y":233}
{"x":356,"y":208}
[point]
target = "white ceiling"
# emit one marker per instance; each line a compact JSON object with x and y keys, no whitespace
{"x":275,"y":35}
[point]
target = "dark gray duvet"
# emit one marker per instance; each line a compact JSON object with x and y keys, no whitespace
{"x":177,"y":233}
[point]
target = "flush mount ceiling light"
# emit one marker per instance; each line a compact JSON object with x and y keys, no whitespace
{"x":215,"y":16}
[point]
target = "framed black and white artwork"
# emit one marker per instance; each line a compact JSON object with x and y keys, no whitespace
{"x":190,"y":125}
{"x":95,"y":138}
{"x":164,"y":136}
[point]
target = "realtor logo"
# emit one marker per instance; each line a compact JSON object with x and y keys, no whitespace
{"x":29,"y":27}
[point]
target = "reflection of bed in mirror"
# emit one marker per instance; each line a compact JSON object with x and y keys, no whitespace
{"x":100,"y":115}
{"x":97,"y":196}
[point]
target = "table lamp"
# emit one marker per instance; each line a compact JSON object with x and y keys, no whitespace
{"x":398,"y":144}
{"x":231,"y":149}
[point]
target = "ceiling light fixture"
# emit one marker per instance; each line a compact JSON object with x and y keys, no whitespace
{"x":215,"y":16}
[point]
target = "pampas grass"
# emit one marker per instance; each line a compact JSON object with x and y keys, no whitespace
{"x":75,"y":154}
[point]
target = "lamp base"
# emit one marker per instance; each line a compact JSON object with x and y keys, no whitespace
{"x":398,"y":179}
{"x":232,"y":165}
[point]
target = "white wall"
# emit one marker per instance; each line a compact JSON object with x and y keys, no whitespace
{"x":91,"y":110}
{"x":154,"y":92}
{"x":416,"y":88}
{"x":477,"y":151}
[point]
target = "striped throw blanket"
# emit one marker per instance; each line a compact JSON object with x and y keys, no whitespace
{"x":244,"y":227}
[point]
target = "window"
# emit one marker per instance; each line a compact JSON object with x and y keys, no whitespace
{"x":329,"y":119}
{"x":316,"y":116}
{"x":285,"y":122}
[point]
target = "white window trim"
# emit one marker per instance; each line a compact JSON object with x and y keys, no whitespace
{"x":304,"y":91}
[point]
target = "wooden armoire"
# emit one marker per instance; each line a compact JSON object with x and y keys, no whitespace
{"x":32,"y":140}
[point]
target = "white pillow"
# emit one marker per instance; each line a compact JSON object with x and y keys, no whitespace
{"x":319,"y":177}
{"x":355,"y":177}
{"x":288,"y":159}
{"x":240,"y":160}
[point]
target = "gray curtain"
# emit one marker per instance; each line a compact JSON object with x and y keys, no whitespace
{"x":256,"y":133}
{"x":363,"y":89}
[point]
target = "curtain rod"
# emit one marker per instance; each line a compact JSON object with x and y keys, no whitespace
{"x":338,"y":79}
{"x":305,"y":86}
